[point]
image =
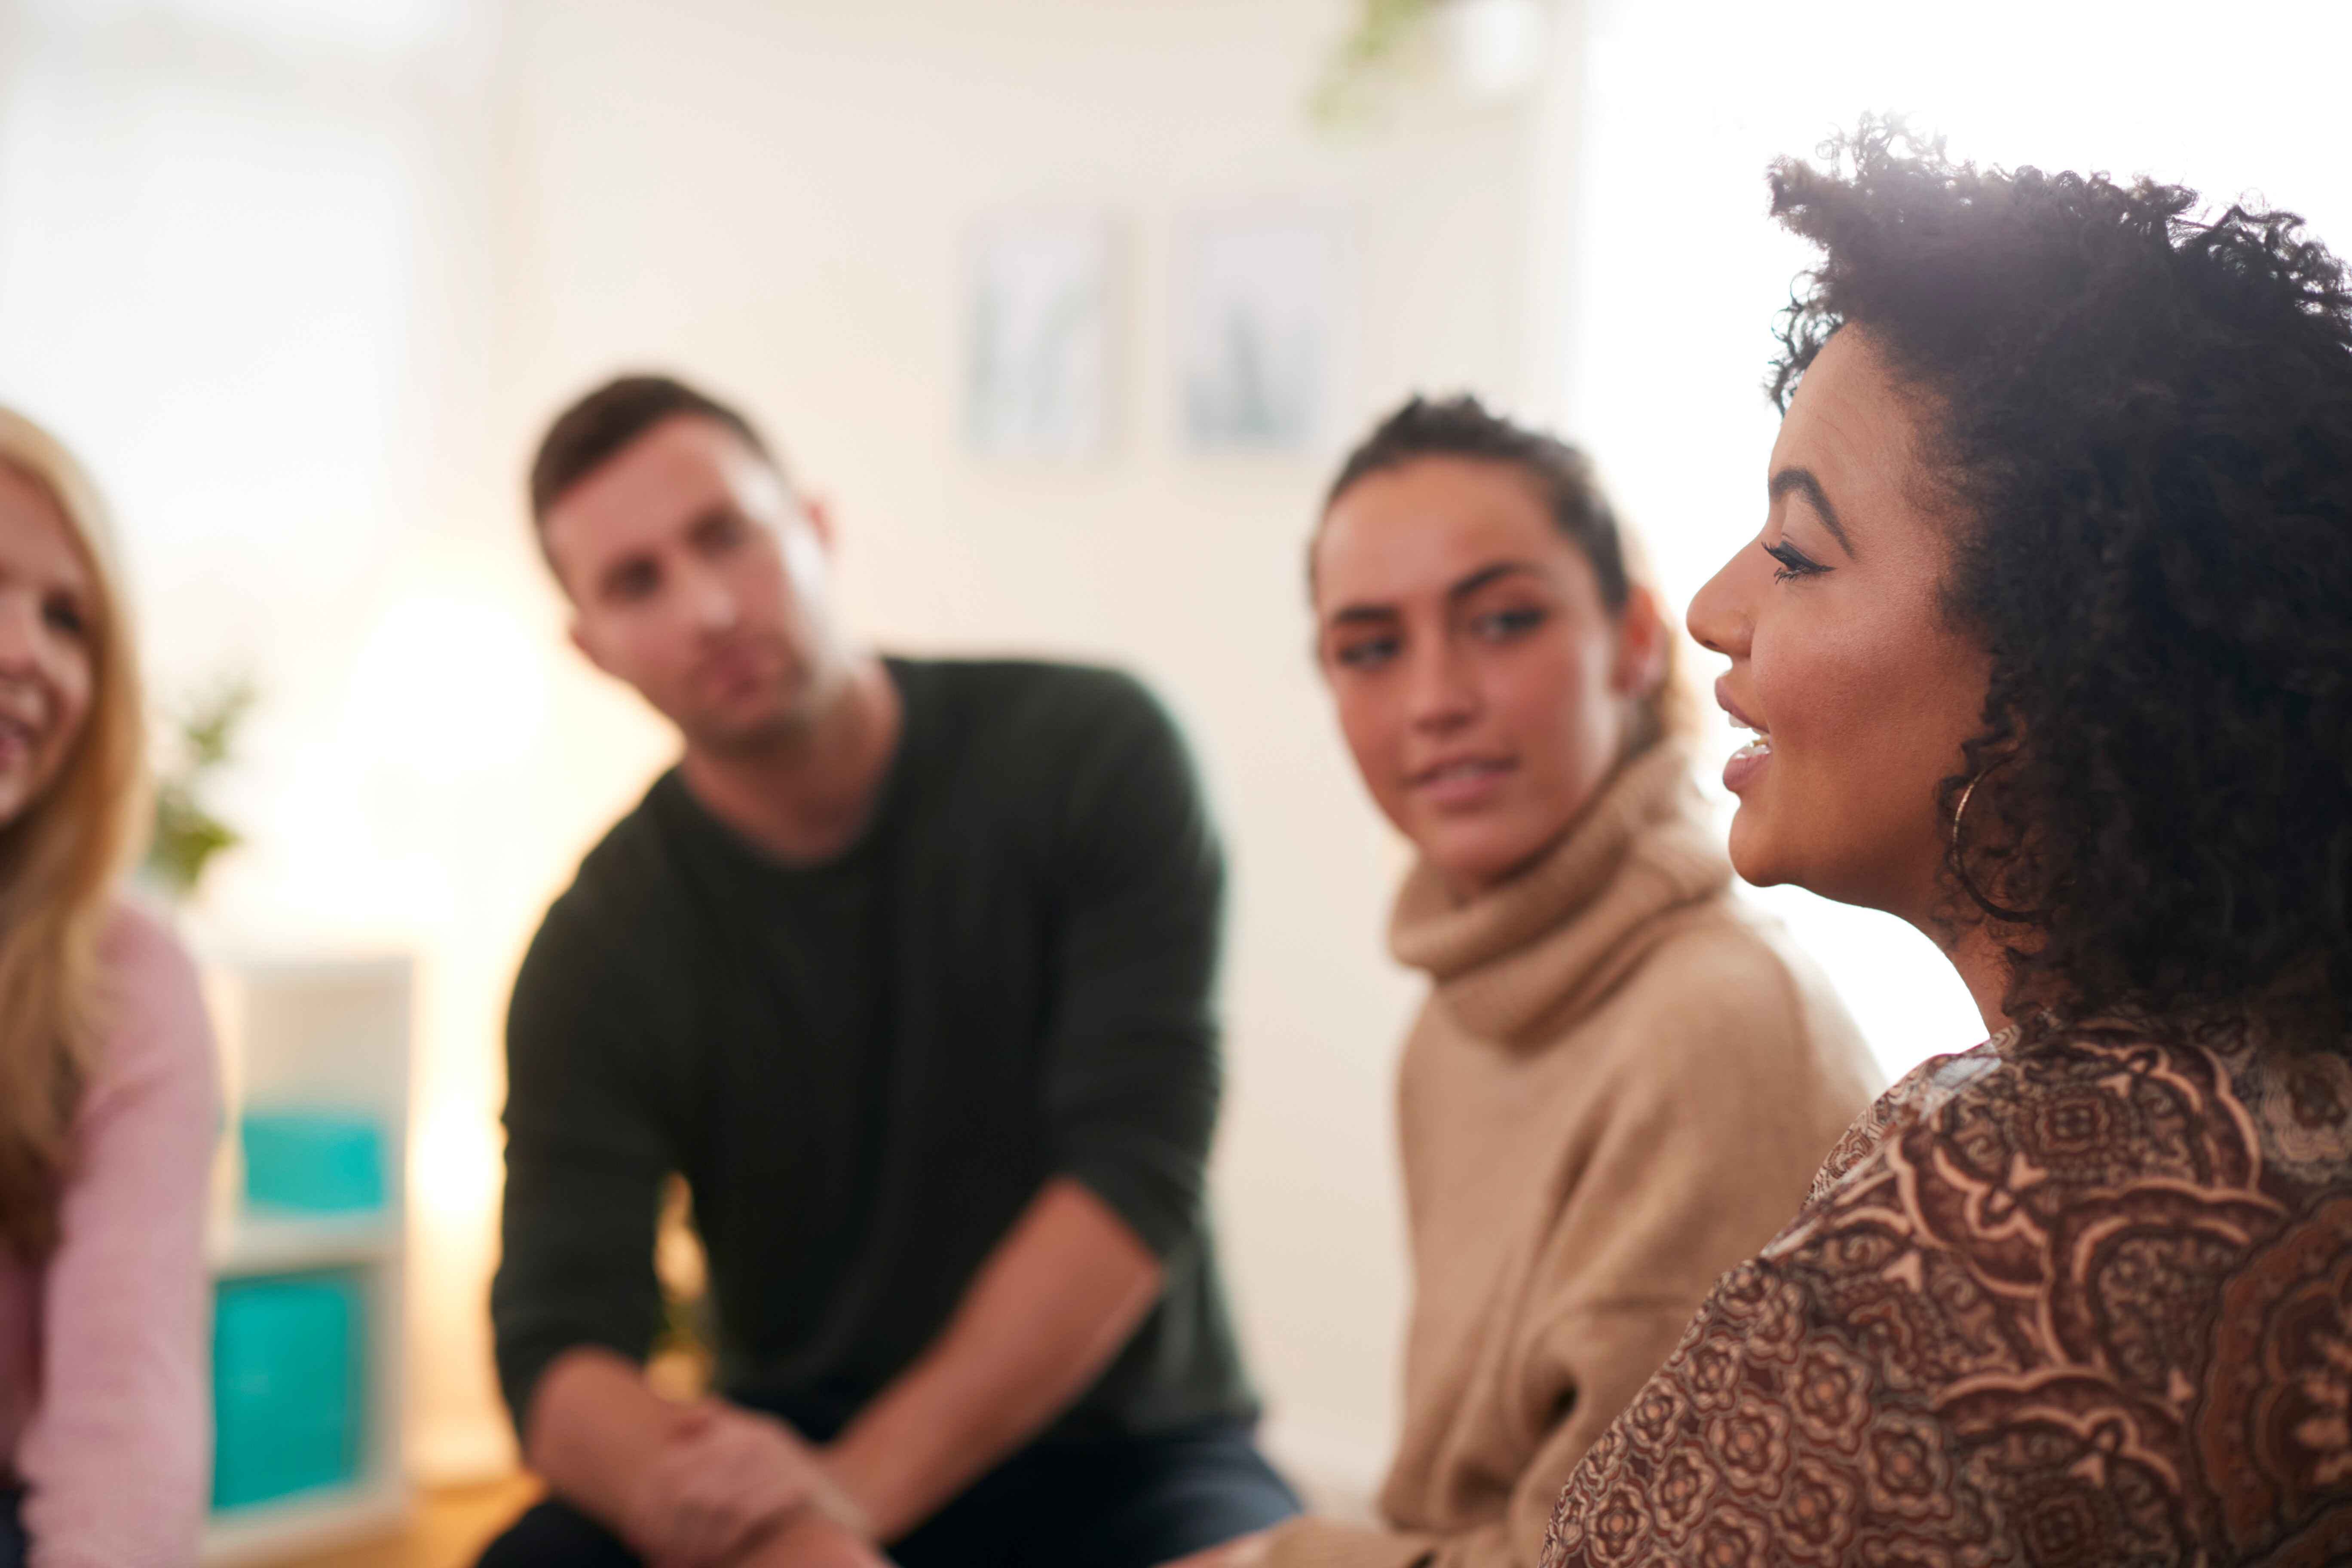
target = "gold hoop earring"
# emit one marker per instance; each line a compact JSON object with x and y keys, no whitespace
{"x":1961,"y":810}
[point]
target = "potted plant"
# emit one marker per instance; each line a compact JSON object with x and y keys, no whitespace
{"x":1486,"y":49}
{"x":183,"y":833}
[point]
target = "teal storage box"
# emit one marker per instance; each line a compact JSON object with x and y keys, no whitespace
{"x":289,"y":1404}
{"x":312,"y":1161}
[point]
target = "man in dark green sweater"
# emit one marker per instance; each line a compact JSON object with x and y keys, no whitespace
{"x":906,"y":968}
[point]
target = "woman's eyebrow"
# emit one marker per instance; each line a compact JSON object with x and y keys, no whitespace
{"x":1472,"y":582}
{"x":1802,"y":481}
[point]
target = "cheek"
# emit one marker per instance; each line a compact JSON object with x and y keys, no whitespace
{"x":1554,"y":695}
{"x":1369,"y":723}
{"x":1867,"y":710}
{"x":1819,"y":686}
{"x":75,"y":680}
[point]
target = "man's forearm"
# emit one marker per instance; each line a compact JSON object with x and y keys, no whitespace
{"x":594,"y":1430}
{"x":1047,"y":1311}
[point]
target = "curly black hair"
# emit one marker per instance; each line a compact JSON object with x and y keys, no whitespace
{"x":2142,"y":419}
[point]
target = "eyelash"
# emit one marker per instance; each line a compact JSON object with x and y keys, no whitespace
{"x":1793,"y":562}
{"x":65,"y":617}
{"x":1509,"y":624}
{"x":1499,"y":626}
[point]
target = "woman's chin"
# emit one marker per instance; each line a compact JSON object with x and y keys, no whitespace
{"x":1471,"y":863}
{"x":1752,"y":851}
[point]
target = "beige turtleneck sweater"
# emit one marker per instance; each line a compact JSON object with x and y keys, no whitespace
{"x":1619,"y":1087}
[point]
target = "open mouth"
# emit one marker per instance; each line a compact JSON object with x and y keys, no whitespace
{"x":16,"y":740}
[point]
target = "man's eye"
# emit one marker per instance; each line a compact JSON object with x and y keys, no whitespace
{"x":1368,"y":654}
{"x":633,"y":582}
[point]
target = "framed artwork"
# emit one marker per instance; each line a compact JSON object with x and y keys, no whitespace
{"x":1257,"y":341}
{"x":1038,"y":368}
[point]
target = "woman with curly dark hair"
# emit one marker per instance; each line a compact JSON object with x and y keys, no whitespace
{"x":2047,"y":646}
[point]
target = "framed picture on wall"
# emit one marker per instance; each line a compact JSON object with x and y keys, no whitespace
{"x":1258,"y":314}
{"x":1038,"y":336}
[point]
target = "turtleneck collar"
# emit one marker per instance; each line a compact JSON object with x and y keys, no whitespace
{"x":1544,"y":944}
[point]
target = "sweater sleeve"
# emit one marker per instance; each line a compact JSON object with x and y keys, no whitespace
{"x":1132,"y":1074}
{"x":1595,"y":1362}
{"x":587,"y":1156}
{"x":116,"y":1456}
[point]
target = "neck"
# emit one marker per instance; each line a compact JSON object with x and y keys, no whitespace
{"x":1977,"y":954}
{"x":807,"y":793}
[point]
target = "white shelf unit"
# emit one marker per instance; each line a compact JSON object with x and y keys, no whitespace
{"x":329,"y":1035}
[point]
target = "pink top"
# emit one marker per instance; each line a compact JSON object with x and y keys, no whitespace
{"x":104,"y":1399}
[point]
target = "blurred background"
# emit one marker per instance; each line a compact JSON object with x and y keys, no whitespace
{"x":1068,"y":307}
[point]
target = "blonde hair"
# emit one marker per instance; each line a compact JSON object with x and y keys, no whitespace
{"x":59,"y":861}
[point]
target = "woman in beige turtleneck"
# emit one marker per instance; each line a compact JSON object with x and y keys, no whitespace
{"x":1623,"y":1079}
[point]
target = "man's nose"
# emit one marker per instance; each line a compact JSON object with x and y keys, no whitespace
{"x":710,"y":601}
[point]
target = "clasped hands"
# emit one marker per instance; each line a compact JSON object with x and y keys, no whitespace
{"x":734,"y":1489}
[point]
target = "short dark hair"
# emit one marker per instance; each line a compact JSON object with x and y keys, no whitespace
{"x":596,"y":428}
{"x":2142,"y":418}
{"x":1462,"y":427}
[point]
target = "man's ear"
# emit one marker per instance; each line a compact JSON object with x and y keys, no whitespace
{"x":588,"y":649}
{"x":1642,"y":641}
{"x":820,"y":518}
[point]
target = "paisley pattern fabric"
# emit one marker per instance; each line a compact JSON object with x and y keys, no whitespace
{"x":2088,"y":1302}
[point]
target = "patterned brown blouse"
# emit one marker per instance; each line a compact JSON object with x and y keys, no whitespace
{"x":2088,"y":1303}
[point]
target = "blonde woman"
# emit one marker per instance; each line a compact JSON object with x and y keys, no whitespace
{"x":1622,"y":1078}
{"x":107,"y":1096}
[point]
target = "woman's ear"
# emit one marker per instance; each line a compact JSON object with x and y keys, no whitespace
{"x":1641,"y":644}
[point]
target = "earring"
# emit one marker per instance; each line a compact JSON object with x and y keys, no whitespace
{"x":1961,"y":810}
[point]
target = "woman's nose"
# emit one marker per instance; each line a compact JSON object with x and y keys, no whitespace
{"x":1720,"y":617}
{"x":1443,"y":692}
{"x":20,"y":631}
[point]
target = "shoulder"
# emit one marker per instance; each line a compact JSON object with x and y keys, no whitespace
{"x":138,"y":949}
{"x":626,"y":884}
{"x":1724,"y":990}
{"x":1028,"y":701}
{"x":2011,"y":1153}
{"x":1063,"y":752}
{"x":152,"y":1019}
{"x":624,"y":916}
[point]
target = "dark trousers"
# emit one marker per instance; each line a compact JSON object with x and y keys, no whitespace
{"x":1116,"y":1503}
{"x":15,"y":1546}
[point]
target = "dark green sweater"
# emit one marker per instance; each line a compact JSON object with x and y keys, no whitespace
{"x":866,"y":1068}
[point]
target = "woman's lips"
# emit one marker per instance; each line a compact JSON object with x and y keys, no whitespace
{"x":1744,"y":764}
{"x":1741,"y":768}
{"x":16,"y":744}
{"x":1462,"y":783}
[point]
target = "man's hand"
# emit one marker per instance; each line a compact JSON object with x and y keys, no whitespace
{"x":724,"y":1476}
{"x":1241,"y":1551}
{"x":810,"y":1539}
